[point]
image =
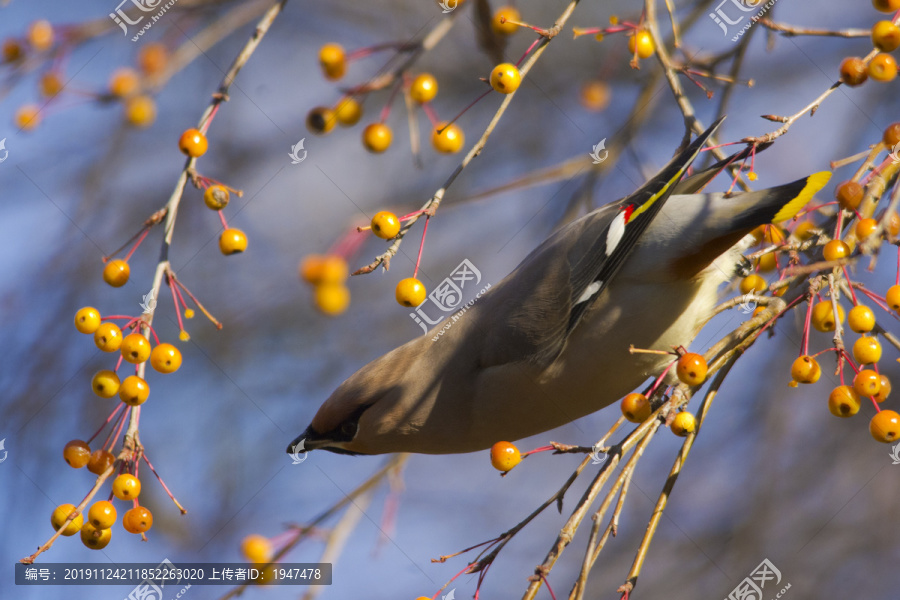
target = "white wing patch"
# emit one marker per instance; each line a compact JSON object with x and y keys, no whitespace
{"x":589,"y":292}
{"x":616,"y":231}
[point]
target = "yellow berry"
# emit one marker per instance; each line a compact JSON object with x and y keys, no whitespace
{"x":320,"y":120}
{"x":137,"y":520}
{"x":854,"y":71}
{"x":77,"y":454}
{"x":767,"y":262}
{"x":116,"y":273}
{"x":135,"y":348}
{"x":885,"y":389}
{"x":823,"y":316}
{"x":12,"y":51}
{"x":59,"y":516}
{"x":636,"y":407}
{"x":87,"y":319}
{"x":883,"y":67}
{"x":189,"y":313}
{"x":448,"y":139}
{"x":153,"y":58}
{"x":140,"y":111}
{"x":595,"y":95}
{"x":232,"y":241}
{"x":124,"y":82}
{"x":865,"y":228}
{"x":334,"y":269}
{"x":332,"y":298}
{"x":849,"y":194}
{"x":333,"y":61}
{"x":505,"y":456}
{"x":377,"y":137}
{"x":28,"y":117}
{"x":216,"y":197}
{"x":691,"y":369}
{"x":184,"y":335}
{"x":843,"y":401}
{"x":885,"y":426}
{"x":256,"y":548}
{"x":861,"y":319}
{"x":385,"y":225}
{"x":105,"y":383}
{"x":51,"y":85}
{"x":867,"y":383}
{"x":500,"y":22}
{"x":101,"y":460}
{"x":753,"y":284}
{"x":410,"y":292}
{"x":867,"y":350}
{"x":641,"y":41}
{"x":126,"y":487}
{"x":108,"y":337}
{"x":102,"y":514}
{"x":806,"y":370}
{"x":885,"y":36}
{"x":93,"y":538}
{"x":423,"y":88}
{"x":684,"y":423}
{"x":348,"y":112}
{"x":805,"y":230}
{"x":134,"y":391}
{"x":836,"y":250}
{"x":193,"y":143}
{"x":893,"y":298}
{"x":505,"y":78}
{"x":165,"y":358}
{"x":40,"y":35}
{"x":886,"y":6}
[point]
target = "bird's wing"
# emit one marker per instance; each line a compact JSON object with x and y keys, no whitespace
{"x":533,"y":311}
{"x":691,"y":184}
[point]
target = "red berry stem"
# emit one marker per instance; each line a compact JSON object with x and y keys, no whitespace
{"x":536,"y":450}
{"x":411,"y":215}
{"x":421,"y":246}
{"x":222,"y":218}
{"x":163,"y":483}
{"x":119,"y":362}
{"x":463,"y":111}
{"x":659,"y":379}
{"x":549,"y":589}
{"x":850,"y":285}
{"x":429,"y":112}
{"x":530,"y":48}
{"x":129,"y":317}
{"x":106,"y":422}
{"x":369,"y":50}
{"x":881,"y":302}
{"x":177,"y":308}
{"x":804,"y":344}
{"x":212,"y":115}
{"x":386,"y":111}
{"x":113,"y":435}
{"x":141,"y":237}
{"x":814,"y":208}
{"x":194,"y":299}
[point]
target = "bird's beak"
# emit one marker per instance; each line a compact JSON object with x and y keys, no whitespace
{"x":313,"y":441}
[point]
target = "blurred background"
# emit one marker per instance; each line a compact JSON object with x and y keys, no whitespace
{"x":773,"y":475}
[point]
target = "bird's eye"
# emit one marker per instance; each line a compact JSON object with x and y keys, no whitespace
{"x":349,"y":429}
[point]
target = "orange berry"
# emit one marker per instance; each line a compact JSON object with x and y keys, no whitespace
{"x":423,"y":88}
{"x":87,"y":319}
{"x":885,"y":36}
{"x":883,"y":67}
{"x":105,"y":383}
{"x":334,"y":269}
{"x":108,"y":337}
{"x":861,"y":319}
{"x":885,"y":426}
{"x":333,"y":61}
{"x":595,"y":95}
{"x":124,"y":82}
{"x":886,"y":6}
{"x":823,"y":316}
{"x":867,"y":383}
{"x":867,"y":350}
{"x":140,"y":111}
{"x":684,"y":423}
{"x":102,"y":514}
{"x":806,"y":370}
{"x":500,"y":22}
{"x":843,"y":401}
{"x":885,"y":390}
{"x":641,"y":41}
{"x":410,"y":292}
{"x":691,"y":369}
{"x":836,"y":250}
{"x":59,"y":516}
{"x":893,"y":224}
{"x":232,"y":241}
{"x":805,"y":230}
{"x":137,"y":520}
{"x":385,"y":225}
{"x":753,"y":283}
{"x":891,"y":135}
{"x":767,"y":262}
{"x":216,"y":197}
{"x":332,"y":298}
{"x":93,"y":538}
{"x":165,"y":358}
{"x":193,"y":143}
{"x":256,"y":548}
{"x":377,"y":137}
{"x":893,"y":297}
{"x":100,"y":461}
{"x":51,"y":85}
{"x":40,"y":35}
{"x":506,"y":78}
{"x":636,"y":407}
{"x":311,"y":268}
{"x":152,"y":59}
{"x":504,"y":456}
{"x":450,"y":139}
{"x":12,"y":51}
{"x":77,"y":454}
{"x":27,"y":117}
{"x":865,"y":228}
{"x":854,"y":71}
{"x":116,"y":273}
{"x":134,"y":391}
{"x":126,"y":487}
{"x":320,"y":120}
{"x":135,"y":348}
{"x":348,"y":112}
{"x":849,"y":194}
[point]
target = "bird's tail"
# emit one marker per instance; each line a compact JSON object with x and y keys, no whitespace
{"x":779,"y":203}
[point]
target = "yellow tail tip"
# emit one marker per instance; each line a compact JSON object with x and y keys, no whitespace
{"x":814,"y":183}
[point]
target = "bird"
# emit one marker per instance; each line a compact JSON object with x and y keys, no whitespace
{"x":550,"y":343}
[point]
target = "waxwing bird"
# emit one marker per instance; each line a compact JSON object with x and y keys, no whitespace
{"x":550,"y":343}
